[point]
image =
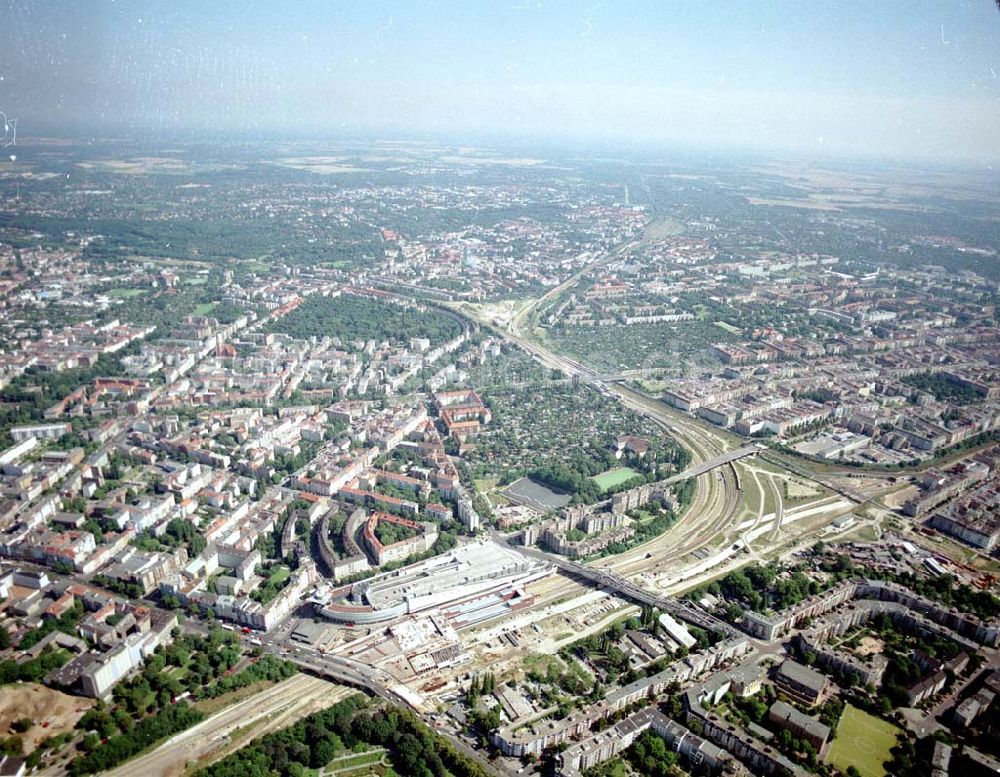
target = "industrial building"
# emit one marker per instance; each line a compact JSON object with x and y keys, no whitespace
{"x":468,"y":582}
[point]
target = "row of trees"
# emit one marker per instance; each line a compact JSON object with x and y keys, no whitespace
{"x":573,"y":478}
{"x":119,"y":748}
{"x":34,"y":669}
{"x":144,"y":708}
{"x":481,"y":686}
{"x":267,"y":667}
{"x":761,"y":587}
{"x":348,"y":725}
{"x":944,"y":589}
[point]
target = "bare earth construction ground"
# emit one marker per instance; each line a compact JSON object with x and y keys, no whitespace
{"x":41,"y":704}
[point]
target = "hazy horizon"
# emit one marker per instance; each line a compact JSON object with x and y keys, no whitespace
{"x":894,"y":80}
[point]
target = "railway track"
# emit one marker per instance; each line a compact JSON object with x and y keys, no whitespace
{"x":716,"y":502}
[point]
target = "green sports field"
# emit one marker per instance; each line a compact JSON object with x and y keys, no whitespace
{"x":863,"y":741}
{"x":614,"y":477}
{"x":126,"y":293}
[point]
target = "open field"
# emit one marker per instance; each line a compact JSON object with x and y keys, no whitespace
{"x":355,"y":763}
{"x":41,"y":704}
{"x":325,"y":165}
{"x":863,"y":741}
{"x":543,"y":664}
{"x":614,"y":477}
{"x":279,"y":574}
{"x":482,"y":160}
{"x":485,"y":484}
{"x":126,"y":293}
{"x":145,"y":165}
{"x":662,"y":228}
{"x":811,"y":202}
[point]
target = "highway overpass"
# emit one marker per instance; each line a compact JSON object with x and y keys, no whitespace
{"x":716,"y":461}
{"x":625,"y":588}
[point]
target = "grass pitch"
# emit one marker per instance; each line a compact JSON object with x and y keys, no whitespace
{"x":863,"y":741}
{"x":614,"y":477}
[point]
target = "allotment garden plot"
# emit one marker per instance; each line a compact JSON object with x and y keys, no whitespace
{"x":553,"y":426}
{"x":647,"y":346}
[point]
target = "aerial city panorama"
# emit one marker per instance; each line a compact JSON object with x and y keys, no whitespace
{"x":464,"y":389}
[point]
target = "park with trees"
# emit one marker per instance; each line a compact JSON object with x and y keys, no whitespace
{"x":350,"y":317}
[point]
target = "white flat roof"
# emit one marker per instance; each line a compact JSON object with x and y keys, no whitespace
{"x":459,"y":567}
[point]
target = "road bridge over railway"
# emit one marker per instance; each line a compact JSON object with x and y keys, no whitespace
{"x":629,"y":590}
{"x":716,"y":461}
{"x":375,"y":681}
{"x":343,"y":670}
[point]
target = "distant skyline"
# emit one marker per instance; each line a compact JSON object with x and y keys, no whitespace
{"x":903,"y":79}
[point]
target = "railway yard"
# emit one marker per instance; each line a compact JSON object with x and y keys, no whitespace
{"x":745,"y":509}
{"x":552,"y":479}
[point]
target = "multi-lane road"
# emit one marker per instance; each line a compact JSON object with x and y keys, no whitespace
{"x":350,"y":672}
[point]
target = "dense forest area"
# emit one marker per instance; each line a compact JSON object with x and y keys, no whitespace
{"x":213,"y":240}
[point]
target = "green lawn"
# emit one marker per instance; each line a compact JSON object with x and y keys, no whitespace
{"x":353,"y":762}
{"x":279,"y":574}
{"x":863,"y":741}
{"x":485,"y":484}
{"x":205,"y":308}
{"x":614,"y":477}
{"x":542,"y":664}
{"x":125,"y":293}
{"x":178,"y":672}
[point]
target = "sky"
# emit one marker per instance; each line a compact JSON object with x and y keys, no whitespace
{"x":899,"y":78}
